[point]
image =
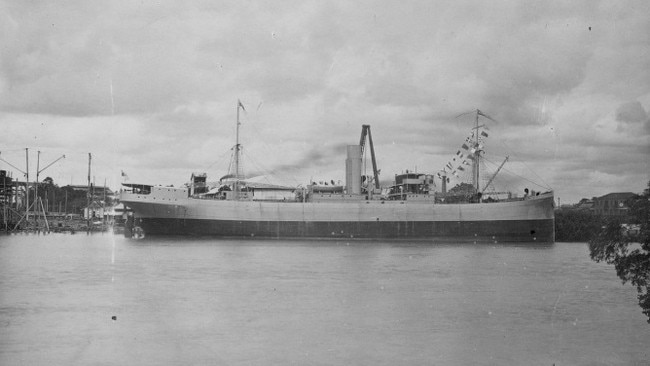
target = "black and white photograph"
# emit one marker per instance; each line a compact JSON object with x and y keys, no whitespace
{"x":330,"y":182}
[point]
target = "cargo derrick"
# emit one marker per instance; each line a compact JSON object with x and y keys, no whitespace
{"x":365,"y":132}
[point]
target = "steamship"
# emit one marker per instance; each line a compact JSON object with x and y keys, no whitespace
{"x":410,"y":208}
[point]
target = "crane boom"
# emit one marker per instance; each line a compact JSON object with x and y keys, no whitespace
{"x":365,"y":132}
{"x":495,"y":174}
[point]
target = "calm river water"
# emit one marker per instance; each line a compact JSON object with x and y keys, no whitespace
{"x":227,"y":302}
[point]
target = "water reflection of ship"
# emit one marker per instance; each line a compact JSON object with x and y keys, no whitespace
{"x":410,"y":208}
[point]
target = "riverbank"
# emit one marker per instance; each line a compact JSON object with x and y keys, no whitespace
{"x":61,"y":225}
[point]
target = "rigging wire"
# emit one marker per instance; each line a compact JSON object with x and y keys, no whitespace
{"x":524,"y":178}
{"x":508,"y":187}
{"x":258,"y":167}
{"x":508,"y":148}
{"x":267,"y":172}
{"x":260,"y":142}
{"x":220,"y":159}
{"x":547,"y":186}
{"x":489,"y":173}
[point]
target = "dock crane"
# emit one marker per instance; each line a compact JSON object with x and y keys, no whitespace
{"x":365,"y":132}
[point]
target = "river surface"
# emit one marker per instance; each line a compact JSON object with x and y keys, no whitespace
{"x":253,"y":302}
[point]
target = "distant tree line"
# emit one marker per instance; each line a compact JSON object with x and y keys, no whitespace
{"x":583,"y":224}
{"x":63,"y":199}
{"x":577,"y":225}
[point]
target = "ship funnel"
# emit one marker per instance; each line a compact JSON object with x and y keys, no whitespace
{"x":444,"y":182}
{"x":353,"y":170}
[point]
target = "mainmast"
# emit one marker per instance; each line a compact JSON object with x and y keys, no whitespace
{"x":237,"y":149}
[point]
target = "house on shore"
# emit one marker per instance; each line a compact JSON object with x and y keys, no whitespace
{"x":613,"y":204}
{"x":98,"y":191}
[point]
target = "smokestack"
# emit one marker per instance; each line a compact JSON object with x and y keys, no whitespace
{"x":444,"y":182}
{"x":353,"y":170}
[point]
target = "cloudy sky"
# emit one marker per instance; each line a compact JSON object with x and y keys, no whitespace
{"x":151,"y":87}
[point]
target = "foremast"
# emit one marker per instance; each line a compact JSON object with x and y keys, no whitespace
{"x":477,"y":156}
{"x":237,"y":152}
{"x":468,"y":159}
{"x":478,"y":135}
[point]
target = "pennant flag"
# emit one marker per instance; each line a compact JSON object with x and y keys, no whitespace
{"x":240,"y":105}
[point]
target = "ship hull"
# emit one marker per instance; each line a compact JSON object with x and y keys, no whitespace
{"x":467,"y":231}
{"x":529,"y":220}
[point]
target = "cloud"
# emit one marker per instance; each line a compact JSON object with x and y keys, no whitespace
{"x":632,"y":116}
{"x":631,"y":112}
{"x":152,"y":87}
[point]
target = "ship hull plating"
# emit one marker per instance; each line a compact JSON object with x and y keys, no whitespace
{"x":529,"y":220}
{"x":477,"y":231}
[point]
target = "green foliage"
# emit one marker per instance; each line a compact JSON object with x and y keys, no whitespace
{"x":576,"y":225}
{"x":628,"y":250}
